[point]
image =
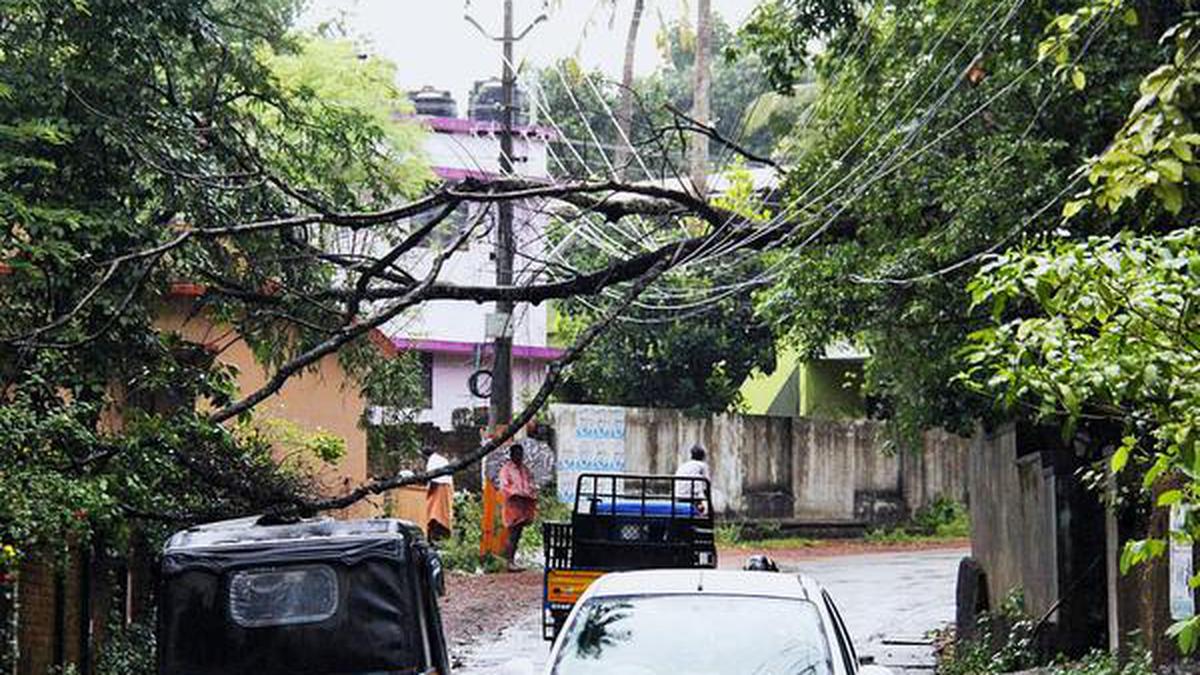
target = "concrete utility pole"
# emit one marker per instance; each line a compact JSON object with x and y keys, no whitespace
{"x":500,"y":403}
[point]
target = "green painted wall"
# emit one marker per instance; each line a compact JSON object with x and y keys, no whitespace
{"x":824,"y":389}
{"x":832,"y":389}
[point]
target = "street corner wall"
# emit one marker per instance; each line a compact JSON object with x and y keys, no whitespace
{"x":846,"y":470}
{"x":749,"y":456}
{"x":835,"y":464}
{"x":1012,"y":530}
{"x":789,"y":467}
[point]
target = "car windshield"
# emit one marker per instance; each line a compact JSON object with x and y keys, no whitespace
{"x":695,"y":634}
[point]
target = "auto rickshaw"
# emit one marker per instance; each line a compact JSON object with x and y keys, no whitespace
{"x":316,"y":597}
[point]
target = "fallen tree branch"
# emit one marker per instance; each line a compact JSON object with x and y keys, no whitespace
{"x":343,"y":337}
{"x":553,"y":375}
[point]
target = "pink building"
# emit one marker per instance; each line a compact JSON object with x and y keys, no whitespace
{"x":453,"y":337}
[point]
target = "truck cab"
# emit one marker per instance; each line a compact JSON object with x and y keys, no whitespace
{"x":316,"y":597}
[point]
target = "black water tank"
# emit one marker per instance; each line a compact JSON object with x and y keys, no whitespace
{"x":433,"y":102}
{"x":486,"y":99}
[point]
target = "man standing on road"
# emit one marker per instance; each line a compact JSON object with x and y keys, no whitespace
{"x":696,"y":467}
{"x":439,"y":497}
{"x":520,"y":500}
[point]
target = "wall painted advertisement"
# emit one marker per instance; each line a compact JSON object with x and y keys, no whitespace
{"x":595,"y":443}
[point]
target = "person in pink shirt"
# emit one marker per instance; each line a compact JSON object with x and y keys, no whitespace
{"x":520,"y":500}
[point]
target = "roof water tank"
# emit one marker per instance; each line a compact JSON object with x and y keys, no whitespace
{"x":433,"y":102}
{"x":487,"y":97}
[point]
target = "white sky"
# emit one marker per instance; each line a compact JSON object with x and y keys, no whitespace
{"x":431,"y":43}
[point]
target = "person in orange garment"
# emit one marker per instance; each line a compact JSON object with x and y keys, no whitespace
{"x":439,"y":497}
{"x":520,"y":500}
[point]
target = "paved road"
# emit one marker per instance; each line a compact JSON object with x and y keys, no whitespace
{"x":884,"y":598}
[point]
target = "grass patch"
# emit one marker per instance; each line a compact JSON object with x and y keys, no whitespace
{"x":763,"y":537}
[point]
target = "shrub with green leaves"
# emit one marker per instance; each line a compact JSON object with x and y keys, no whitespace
{"x":1004,"y":641}
{"x":1108,"y":327}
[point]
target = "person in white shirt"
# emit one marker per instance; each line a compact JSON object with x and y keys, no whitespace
{"x":695,"y":467}
{"x":439,"y":497}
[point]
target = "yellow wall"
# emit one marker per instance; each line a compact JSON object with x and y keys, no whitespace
{"x":324,"y":399}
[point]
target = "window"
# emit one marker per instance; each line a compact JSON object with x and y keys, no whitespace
{"x":672,"y":634}
{"x":426,"y":380}
{"x":283,"y":596}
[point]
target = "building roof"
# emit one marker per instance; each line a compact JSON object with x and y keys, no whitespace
{"x":692,"y":581}
{"x":527,"y":352}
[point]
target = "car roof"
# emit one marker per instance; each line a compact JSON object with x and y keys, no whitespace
{"x":697,"y":581}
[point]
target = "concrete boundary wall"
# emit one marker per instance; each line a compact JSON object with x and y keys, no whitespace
{"x":794,"y":468}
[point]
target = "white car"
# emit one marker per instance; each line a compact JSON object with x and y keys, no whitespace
{"x":705,"y":622}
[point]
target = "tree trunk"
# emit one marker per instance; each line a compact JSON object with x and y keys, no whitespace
{"x":625,"y":113}
{"x":700,"y":105}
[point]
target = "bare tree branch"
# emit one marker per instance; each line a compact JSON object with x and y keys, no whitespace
{"x":413,"y":239}
{"x":690,"y":124}
{"x":339,"y":340}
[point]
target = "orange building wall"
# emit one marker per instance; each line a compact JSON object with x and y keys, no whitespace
{"x":322,"y":399}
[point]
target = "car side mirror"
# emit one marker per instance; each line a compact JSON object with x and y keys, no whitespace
{"x":873,"y":669}
{"x":517,"y":667}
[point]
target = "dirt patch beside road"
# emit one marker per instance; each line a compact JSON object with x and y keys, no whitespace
{"x":478,"y":606}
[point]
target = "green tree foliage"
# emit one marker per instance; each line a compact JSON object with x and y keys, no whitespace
{"x":695,"y":360}
{"x":940,"y":134}
{"x":123,"y":125}
{"x":332,"y":74}
{"x":780,"y":33}
{"x":1109,"y":326}
{"x":696,"y":363}
{"x":692,"y":359}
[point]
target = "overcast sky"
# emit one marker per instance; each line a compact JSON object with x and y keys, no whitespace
{"x":431,"y":43}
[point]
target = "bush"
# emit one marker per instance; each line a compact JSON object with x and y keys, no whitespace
{"x":1100,"y":662}
{"x":461,"y":551}
{"x":1008,"y":640}
{"x":729,"y":535}
{"x":944,"y":518}
{"x":128,"y":650}
{"x":1004,"y":642}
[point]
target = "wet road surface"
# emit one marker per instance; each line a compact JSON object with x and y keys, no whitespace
{"x":889,"y":601}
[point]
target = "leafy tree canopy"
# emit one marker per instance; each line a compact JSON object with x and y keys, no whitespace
{"x":691,"y":359}
{"x":1108,"y":327}
{"x":694,"y":361}
{"x":940,"y":134}
{"x":124,"y":125}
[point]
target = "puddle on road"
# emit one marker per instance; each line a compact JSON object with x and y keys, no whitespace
{"x":522,"y":640}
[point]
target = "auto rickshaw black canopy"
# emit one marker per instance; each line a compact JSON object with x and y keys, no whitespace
{"x":320,"y":597}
